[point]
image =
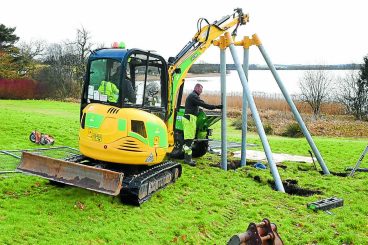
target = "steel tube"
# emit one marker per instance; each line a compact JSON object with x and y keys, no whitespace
{"x":257,"y":120}
{"x":10,"y":154}
{"x":294,"y":110}
{"x":359,"y":161}
{"x":10,"y":172}
{"x":223,"y":102}
{"x":243,"y":154}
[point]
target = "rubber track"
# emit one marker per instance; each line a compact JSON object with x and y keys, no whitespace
{"x":132,"y":184}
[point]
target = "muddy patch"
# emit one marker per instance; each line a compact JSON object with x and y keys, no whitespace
{"x":257,"y":179}
{"x":336,"y":174}
{"x":231,"y":165}
{"x":309,"y":168}
{"x":235,"y":164}
{"x":292,"y":188}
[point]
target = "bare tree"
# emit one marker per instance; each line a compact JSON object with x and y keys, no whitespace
{"x":32,"y":49}
{"x":315,"y":87}
{"x":59,"y":73}
{"x":80,"y":46}
{"x":347,"y":90}
{"x":83,"y":46}
{"x":28,"y":54}
{"x":66,"y":65}
{"x":83,"y":43}
{"x":353,"y":94}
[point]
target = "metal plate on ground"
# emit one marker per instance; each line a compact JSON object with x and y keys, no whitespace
{"x":9,"y":159}
{"x":216,"y":144}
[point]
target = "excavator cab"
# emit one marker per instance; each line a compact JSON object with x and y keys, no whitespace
{"x":123,"y":107}
{"x":127,"y":79}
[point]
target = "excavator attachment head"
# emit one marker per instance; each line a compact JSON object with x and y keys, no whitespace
{"x":70,"y":173}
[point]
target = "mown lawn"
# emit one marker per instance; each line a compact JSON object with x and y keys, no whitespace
{"x":205,"y":206}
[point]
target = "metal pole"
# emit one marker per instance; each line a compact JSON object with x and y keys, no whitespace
{"x":223,"y":102}
{"x":257,"y":120}
{"x":359,"y":161}
{"x":10,"y":172}
{"x":10,"y":154}
{"x":293,"y":109}
{"x":243,"y":154}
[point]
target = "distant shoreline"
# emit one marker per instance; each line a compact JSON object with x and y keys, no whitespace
{"x":210,"y":74}
{"x":214,"y":69}
{"x":218,"y":74}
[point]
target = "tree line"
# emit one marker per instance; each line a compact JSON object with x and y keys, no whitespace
{"x":39,"y":70}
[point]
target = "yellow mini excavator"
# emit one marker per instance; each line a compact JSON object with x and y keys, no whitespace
{"x":131,"y":119}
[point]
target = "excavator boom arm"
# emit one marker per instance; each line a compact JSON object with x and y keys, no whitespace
{"x":181,"y":63}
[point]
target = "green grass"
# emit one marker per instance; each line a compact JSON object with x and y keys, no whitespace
{"x":205,"y":206}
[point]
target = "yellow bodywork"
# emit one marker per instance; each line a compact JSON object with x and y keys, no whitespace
{"x":122,"y":135}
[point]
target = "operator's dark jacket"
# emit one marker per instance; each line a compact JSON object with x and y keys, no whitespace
{"x":193,"y":102}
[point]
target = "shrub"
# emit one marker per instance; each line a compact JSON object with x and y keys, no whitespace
{"x":234,"y":113}
{"x":237,"y":123}
{"x":251,"y":126}
{"x":293,"y":130}
{"x":268,"y":129}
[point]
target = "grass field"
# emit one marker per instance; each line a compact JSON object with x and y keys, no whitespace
{"x":205,"y":206}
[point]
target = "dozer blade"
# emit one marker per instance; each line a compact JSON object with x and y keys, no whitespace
{"x":70,"y":173}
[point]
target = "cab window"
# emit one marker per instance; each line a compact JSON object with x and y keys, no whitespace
{"x":104,"y":80}
{"x":145,"y":72}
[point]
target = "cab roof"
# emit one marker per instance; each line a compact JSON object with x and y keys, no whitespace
{"x":114,"y":53}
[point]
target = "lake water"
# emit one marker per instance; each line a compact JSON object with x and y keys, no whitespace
{"x":259,"y":81}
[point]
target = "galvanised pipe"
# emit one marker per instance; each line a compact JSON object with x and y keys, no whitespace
{"x":293,"y":108}
{"x":257,"y":120}
{"x":243,"y":159}
{"x":223,"y":102}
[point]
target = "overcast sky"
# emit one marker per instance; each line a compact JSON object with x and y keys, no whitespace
{"x":292,"y":31}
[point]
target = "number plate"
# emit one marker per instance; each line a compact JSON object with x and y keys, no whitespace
{"x":97,"y":137}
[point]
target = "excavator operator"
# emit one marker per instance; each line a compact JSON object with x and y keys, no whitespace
{"x":192,"y":104}
{"x":110,"y":90}
{"x":110,"y":87}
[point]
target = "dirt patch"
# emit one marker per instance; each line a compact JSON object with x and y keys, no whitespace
{"x":336,"y":174}
{"x":235,"y":164}
{"x":291,"y":187}
{"x":257,"y":179}
{"x":231,"y":165}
